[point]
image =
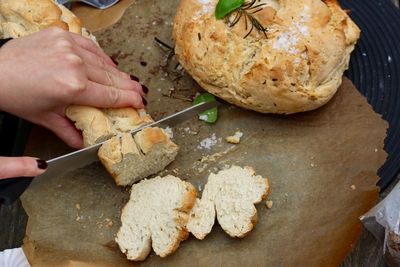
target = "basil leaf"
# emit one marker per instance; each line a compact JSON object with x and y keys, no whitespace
{"x":210,"y":115}
{"x":224,"y":7}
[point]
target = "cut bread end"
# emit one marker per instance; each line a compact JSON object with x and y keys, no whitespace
{"x":130,"y":159}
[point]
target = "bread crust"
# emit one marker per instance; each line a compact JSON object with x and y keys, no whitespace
{"x":24,"y":17}
{"x":297,"y":68}
{"x":186,"y":205}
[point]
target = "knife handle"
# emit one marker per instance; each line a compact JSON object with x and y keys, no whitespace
{"x":12,"y":188}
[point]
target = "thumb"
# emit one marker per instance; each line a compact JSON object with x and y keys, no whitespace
{"x":66,"y":130}
{"x":21,"y":167}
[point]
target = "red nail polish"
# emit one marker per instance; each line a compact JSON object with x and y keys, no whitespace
{"x":42,"y":164}
{"x":144,"y":101}
{"x":145,"y":89}
{"x":134,"y":78}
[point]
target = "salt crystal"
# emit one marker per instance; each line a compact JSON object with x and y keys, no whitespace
{"x":209,"y":142}
{"x":203,"y":117}
{"x":169,"y":132}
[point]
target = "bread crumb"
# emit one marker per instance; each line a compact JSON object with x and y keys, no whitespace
{"x":78,"y":206}
{"x":269,"y":204}
{"x":189,"y":131}
{"x":109,"y":222}
{"x":99,"y":224}
{"x":376,"y":150}
{"x":353,"y":187}
{"x":234,"y":139}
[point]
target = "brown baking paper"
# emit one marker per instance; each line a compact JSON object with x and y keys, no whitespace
{"x":95,"y":19}
{"x":322,"y":166}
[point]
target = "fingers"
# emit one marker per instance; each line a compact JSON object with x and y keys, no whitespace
{"x":107,"y":78}
{"x":21,"y":167}
{"x":91,"y":46}
{"x":99,"y":95}
{"x":100,"y":72}
{"x":66,"y":131}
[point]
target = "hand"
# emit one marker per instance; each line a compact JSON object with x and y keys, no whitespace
{"x":21,"y":167}
{"x":43,"y":73}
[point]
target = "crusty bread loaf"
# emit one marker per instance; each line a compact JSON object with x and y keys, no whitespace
{"x":155,"y":216}
{"x":230,"y":195}
{"x":23,"y":17}
{"x":298,"y":67}
{"x":126,"y":158}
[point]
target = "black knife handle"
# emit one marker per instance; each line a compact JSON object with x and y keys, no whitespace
{"x":12,"y":188}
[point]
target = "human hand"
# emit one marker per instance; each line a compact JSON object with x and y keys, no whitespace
{"x":21,"y":167}
{"x":43,"y":73}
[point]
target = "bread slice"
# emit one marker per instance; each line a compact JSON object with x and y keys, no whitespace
{"x":155,"y":216}
{"x":231,"y":195}
{"x":126,"y":158}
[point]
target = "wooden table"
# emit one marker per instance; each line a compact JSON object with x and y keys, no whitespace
{"x":13,"y":219}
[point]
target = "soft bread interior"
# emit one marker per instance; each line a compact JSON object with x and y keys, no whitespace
{"x":155,"y":216}
{"x":230,"y":195}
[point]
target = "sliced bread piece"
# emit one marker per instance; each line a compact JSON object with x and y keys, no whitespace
{"x":155,"y":216}
{"x":230,"y":194}
{"x":130,"y":159}
{"x":126,"y":158}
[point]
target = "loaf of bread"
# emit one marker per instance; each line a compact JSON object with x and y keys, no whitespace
{"x":155,"y":216}
{"x":296,"y":66}
{"x":126,"y":158}
{"x":230,"y":195}
{"x":24,"y":17}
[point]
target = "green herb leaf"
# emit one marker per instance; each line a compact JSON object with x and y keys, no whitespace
{"x":224,"y":7}
{"x":210,"y":115}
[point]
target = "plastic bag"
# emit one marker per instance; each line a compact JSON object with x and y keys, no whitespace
{"x":383,"y":221}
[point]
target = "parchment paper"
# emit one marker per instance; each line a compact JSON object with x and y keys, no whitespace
{"x":322,"y":166}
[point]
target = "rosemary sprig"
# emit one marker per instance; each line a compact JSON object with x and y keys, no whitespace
{"x":247,"y":10}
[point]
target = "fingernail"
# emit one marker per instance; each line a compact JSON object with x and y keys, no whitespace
{"x":115,"y":61}
{"x":144,"y":101}
{"x":42,"y":164}
{"x":134,"y":78}
{"x":145,"y":89}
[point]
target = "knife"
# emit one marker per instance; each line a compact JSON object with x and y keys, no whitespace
{"x":12,"y":188}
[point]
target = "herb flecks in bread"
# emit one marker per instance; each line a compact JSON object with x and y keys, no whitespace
{"x":298,"y":67}
{"x":155,"y":217}
{"x":229,"y":195}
